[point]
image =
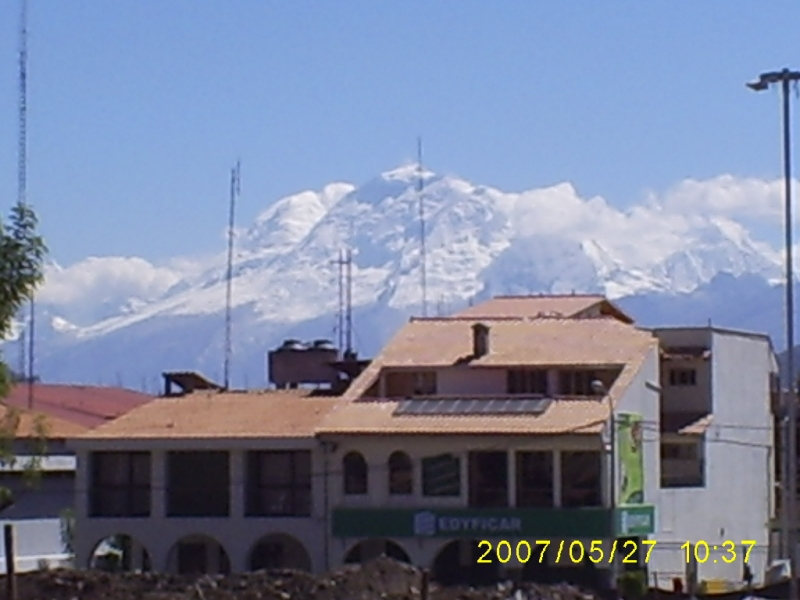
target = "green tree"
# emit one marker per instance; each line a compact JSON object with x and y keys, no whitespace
{"x":22,"y":253}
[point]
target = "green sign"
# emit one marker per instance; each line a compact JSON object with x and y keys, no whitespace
{"x":635,"y":520}
{"x":630,"y":459}
{"x":472,"y":523}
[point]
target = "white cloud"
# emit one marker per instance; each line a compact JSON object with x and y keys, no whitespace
{"x":727,"y":195}
{"x":100,"y":279}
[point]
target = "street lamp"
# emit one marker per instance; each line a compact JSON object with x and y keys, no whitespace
{"x":599,"y":388}
{"x":789,"y":504}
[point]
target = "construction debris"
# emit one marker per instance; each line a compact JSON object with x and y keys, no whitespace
{"x":380,"y":579}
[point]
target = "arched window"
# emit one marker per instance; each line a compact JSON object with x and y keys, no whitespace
{"x":355,"y":473}
{"x":401,"y":474}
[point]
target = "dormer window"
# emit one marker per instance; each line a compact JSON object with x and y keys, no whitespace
{"x":425,"y":383}
{"x":527,"y":381}
{"x":577,"y":383}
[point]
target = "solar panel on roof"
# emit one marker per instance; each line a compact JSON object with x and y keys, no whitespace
{"x":472,"y":406}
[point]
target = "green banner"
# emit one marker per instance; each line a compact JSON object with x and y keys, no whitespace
{"x":630,"y":459}
{"x":472,"y":523}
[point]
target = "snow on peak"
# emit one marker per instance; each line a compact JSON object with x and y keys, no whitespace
{"x":408,"y":172}
{"x":289,"y":220}
{"x":478,"y":240}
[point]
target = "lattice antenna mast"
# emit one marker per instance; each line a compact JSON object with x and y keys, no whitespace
{"x":422,"y":245}
{"x":349,"y":303}
{"x":340,"y":315}
{"x":234,"y":193}
{"x":22,"y":182}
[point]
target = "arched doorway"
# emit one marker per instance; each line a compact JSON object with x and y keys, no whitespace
{"x":120,"y":552}
{"x":198,"y":555}
{"x":457,"y":564}
{"x":279,"y":551}
{"x":366,"y":550}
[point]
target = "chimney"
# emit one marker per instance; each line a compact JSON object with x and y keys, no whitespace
{"x":480,"y":340}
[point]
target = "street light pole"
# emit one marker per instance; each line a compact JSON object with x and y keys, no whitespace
{"x":599,"y":388}
{"x":789,"y":513}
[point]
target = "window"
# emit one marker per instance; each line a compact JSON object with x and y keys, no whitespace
{"x":279,"y":484}
{"x":120,"y":484}
{"x":682,"y":377}
{"x":580,"y":477}
{"x":198,"y":484}
{"x":401,"y":384}
{"x":441,"y":475}
{"x":355,"y":474}
{"x":534,"y":479}
{"x":401,"y":474}
{"x":533,"y":381}
{"x":425,"y":383}
{"x":577,"y":383}
{"x":682,"y":464}
{"x":487,"y":479}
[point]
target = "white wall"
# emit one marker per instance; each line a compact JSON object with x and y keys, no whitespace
{"x":737,"y":501}
{"x":643,"y":399}
{"x":35,"y":540}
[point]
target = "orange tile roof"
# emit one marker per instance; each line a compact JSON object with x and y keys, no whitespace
{"x":28,"y":425}
{"x":571,"y":305}
{"x":281,"y":414}
{"x":444,"y":342}
{"x":564,"y":416}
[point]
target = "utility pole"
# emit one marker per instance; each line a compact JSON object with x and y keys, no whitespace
{"x":234,"y":192}
{"x":789,"y":524}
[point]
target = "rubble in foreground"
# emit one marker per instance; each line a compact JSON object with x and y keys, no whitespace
{"x":380,"y":579}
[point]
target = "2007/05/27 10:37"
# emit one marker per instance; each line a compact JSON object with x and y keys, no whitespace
{"x":576,"y":552}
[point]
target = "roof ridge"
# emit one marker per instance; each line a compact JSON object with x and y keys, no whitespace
{"x":525,"y":296}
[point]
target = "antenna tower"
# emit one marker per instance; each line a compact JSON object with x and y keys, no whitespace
{"x":340,"y":314}
{"x":22,"y":182}
{"x":234,"y":193}
{"x":422,"y":250}
{"x":349,"y":303}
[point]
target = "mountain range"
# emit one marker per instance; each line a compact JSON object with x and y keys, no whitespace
{"x":703,"y":250}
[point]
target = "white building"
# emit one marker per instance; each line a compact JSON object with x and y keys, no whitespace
{"x":717,"y":450}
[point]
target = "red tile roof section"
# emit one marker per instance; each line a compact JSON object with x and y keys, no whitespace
{"x":88,"y":406}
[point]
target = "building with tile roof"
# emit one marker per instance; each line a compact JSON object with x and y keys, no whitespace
{"x":42,"y":417}
{"x":524,"y":419}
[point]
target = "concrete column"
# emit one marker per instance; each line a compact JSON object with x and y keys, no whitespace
{"x":553,"y":382}
{"x":463,"y":459}
{"x":82,"y":484}
{"x":236,"y":468}
{"x":557,"y":483}
{"x":158,"y":486}
{"x":512,"y":478}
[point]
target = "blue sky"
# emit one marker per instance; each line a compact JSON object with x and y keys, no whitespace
{"x":139,"y":108}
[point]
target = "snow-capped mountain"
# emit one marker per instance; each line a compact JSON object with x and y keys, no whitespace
{"x":123,"y":318}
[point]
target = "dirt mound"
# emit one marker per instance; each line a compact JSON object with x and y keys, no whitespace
{"x":381,"y":579}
